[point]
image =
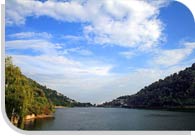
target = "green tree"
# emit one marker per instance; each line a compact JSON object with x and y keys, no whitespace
{"x":21,"y":96}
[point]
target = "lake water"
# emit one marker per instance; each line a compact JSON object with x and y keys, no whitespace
{"x":114,"y":119}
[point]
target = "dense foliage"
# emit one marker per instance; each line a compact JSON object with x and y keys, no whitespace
{"x":175,"y":91}
{"x":55,"y":97}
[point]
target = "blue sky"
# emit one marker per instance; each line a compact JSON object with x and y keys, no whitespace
{"x":98,"y":50}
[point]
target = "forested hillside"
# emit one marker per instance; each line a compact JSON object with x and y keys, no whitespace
{"x":24,"y":96}
{"x":55,"y":97}
{"x":175,"y":91}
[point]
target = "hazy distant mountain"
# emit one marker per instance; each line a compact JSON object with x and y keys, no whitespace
{"x":175,"y":91}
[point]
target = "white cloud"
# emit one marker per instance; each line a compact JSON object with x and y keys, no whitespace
{"x":85,"y":52}
{"x":50,"y":59}
{"x":59,"y":65}
{"x":72,"y":37}
{"x":127,"y":54}
{"x":173,"y":56}
{"x":77,"y":50}
{"x":127,"y":23}
{"x":38,"y":45}
{"x":26,"y":35}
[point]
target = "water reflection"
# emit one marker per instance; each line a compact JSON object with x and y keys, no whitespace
{"x":36,"y":124}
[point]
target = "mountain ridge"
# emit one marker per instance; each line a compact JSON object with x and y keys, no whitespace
{"x":176,"y":91}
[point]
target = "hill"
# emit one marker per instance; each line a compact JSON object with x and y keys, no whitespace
{"x":176,"y":91}
{"x":58,"y":99}
{"x":55,"y":97}
{"x":24,"y":96}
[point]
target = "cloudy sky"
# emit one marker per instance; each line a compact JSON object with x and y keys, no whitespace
{"x":97,"y":50}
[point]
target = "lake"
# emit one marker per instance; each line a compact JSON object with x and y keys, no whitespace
{"x":114,"y":119}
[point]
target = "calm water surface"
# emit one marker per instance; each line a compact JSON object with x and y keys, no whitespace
{"x":114,"y":119}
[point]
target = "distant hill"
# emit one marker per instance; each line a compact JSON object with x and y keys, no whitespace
{"x":176,"y":91}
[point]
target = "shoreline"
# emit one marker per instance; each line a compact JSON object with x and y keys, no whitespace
{"x":60,"y":107}
{"x":41,"y":116}
{"x":179,"y":109}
